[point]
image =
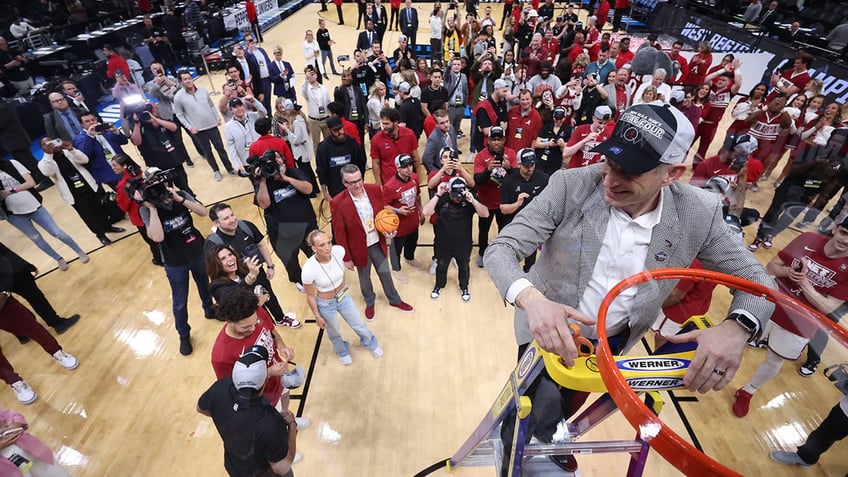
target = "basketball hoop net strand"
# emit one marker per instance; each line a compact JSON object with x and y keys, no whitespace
{"x":673,"y":448}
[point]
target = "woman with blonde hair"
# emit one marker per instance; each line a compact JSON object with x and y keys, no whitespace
{"x":376,"y":103}
{"x":580,"y":64}
{"x":437,"y":32}
{"x":293,"y":128}
{"x":410,"y":77}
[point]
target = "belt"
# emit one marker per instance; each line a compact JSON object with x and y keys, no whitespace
{"x":317,"y":119}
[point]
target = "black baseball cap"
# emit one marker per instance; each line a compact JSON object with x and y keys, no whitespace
{"x":496,"y":131}
{"x":527,"y":157}
{"x":457,"y":187}
{"x":647,"y":135}
{"x":236,"y":102}
{"x":334,"y":122}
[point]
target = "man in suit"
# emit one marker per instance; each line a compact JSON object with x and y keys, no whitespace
{"x":100,"y":145}
{"x":368,"y":37}
{"x":355,"y":103}
{"x":263,"y":62}
{"x":282,"y":76}
{"x":62,"y":122}
{"x":635,"y":191}
{"x":249,"y":68}
{"x":768,"y":18}
{"x":353,"y":215}
{"x":409,"y":23}
{"x":15,"y":140}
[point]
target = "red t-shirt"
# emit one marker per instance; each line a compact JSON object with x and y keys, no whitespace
{"x":699,"y":294}
{"x":397,"y":193}
{"x":118,"y":63}
{"x":719,"y":101}
{"x":790,"y":78}
{"x":351,"y":130}
{"x":226,"y":351}
{"x":624,"y":57}
{"x":384,"y":149}
{"x":712,"y":167}
{"x":489,"y":192}
{"x":266,"y":142}
{"x":584,"y":156}
{"x":429,"y":125}
{"x":522,"y":130}
{"x":698,"y":67}
{"x":829,"y":276}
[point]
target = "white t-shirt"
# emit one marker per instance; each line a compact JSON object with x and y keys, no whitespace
{"x":325,"y":276}
{"x":21,"y":202}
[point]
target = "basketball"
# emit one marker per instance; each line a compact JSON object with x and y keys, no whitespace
{"x":386,"y":221}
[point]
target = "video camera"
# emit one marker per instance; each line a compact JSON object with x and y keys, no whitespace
{"x":266,"y":164}
{"x":152,"y":186}
{"x":135,"y":104}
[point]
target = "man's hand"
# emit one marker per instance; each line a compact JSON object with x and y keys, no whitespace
{"x":548,"y":322}
{"x":717,"y":357}
{"x":404,"y":210}
{"x":349,"y":265}
{"x":522,"y":197}
{"x":278,"y":369}
{"x":270,"y":273}
{"x":193,"y":130}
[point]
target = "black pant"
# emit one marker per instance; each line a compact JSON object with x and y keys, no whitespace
{"x":291,"y":262}
{"x":406,"y":244}
{"x":91,"y":212}
{"x":506,"y":14}
{"x":393,"y":18}
{"x":361,"y":6}
{"x":273,"y":305}
{"x":462,"y":257}
{"x":341,"y":16}
{"x":616,"y":19}
{"x":484,"y":224}
{"x":257,"y":30}
{"x":26,"y":288}
{"x":833,"y":428}
{"x":206,"y":139}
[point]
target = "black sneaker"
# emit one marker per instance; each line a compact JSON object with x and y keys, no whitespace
{"x":185,"y":346}
{"x":66,"y":324}
{"x":565,"y":462}
{"x":808,"y":369}
{"x":435,"y":293}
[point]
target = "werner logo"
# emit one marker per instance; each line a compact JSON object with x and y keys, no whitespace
{"x":652,"y":364}
{"x":526,"y":363}
{"x":646,"y":384}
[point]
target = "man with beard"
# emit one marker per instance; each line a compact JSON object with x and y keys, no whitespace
{"x":402,"y":195}
{"x":523,"y":123}
{"x":392,"y":140}
{"x":483,"y":73}
{"x":334,"y":153}
{"x":489,"y":112}
{"x":491,"y":166}
{"x":543,"y":80}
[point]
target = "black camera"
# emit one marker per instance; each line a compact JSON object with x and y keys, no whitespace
{"x":103,"y":127}
{"x":136,"y":104}
{"x":152,"y":186}
{"x":739,"y":161}
{"x":266,"y":164}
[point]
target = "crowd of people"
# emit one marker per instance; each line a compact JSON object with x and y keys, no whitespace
{"x":555,"y":95}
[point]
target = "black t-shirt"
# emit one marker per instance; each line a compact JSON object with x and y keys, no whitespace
{"x":332,"y":156}
{"x":159,"y":147}
{"x":411,"y":115}
{"x":254,"y":433}
{"x":453,"y":228}
{"x":245,"y":244}
{"x":549,"y":158}
{"x":323,"y":38}
{"x":288,"y":205}
{"x":428,"y":95}
{"x":515,"y":184}
{"x":591,"y":100}
{"x":182,"y":241}
{"x":363,"y":78}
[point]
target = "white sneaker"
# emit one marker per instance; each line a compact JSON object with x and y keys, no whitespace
{"x":67,"y":360}
{"x":377,"y":352}
{"x":346,"y":360}
{"x":24,"y":393}
{"x":302,"y":423}
{"x":299,"y":287}
{"x":433,"y":266}
{"x":217,"y":176}
{"x":297,"y":457}
{"x":399,"y":277}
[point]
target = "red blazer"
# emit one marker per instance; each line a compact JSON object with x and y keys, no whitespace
{"x":347,"y":226}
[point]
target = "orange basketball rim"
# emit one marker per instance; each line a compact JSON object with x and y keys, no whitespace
{"x":677,"y":451}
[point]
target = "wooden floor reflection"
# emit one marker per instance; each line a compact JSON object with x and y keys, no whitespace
{"x":129,"y":409}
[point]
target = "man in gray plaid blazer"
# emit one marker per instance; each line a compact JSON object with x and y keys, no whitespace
{"x":602,"y":223}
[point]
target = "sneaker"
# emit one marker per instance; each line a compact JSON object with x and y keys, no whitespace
{"x":24,"y":393}
{"x":299,"y":287}
{"x":480,"y":261}
{"x":466,"y":297}
{"x":66,"y":324}
{"x":290,"y":320}
{"x":755,"y":187}
{"x":83,"y":257}
{"x":756,"y":244}
{"x":190,"y":164}
{"x":63,"y":265}
{"x":435,"y":293}
{"x":802,"y":225}
{"x":303,"y":422}
{"x":399,"y":276}
{"x":767,"y":241}
{"x":808,"y":369}
{"x":377,"y":352}
{"x":346,"y":360}
{"x":742,"y":403}
{"x":403,"y":306}
{"x":185,"y":346}
{"x":567,"y":463}
{"x":369,"y":312}
{"x":217,"y":176}
{"x":297,"y":457}
{"x":67,"y":360}
{"x":460,"y":134}
{"x":788,"y":458}
{"x":433,"y":266}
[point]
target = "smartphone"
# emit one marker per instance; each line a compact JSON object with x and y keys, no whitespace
{"x":343,"y":58}
{"x":11,"y":432}
{"x":103,"y":127}
{"x":56,"y":143}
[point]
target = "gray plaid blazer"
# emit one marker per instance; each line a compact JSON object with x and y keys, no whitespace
{"x":570,"y":219}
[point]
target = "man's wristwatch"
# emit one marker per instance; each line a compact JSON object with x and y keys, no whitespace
{"x":750,"y":325}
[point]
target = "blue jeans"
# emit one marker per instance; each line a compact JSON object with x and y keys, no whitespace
{"x":45,"y":220}
{"x":178,"y":278}
{"x":328,"y":54}
{"x":330,"y":309}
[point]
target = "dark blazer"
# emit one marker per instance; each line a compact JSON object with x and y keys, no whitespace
{"x":97,"y":163}
{"x":252,"y":71}
{"x":408,"y":28}
{"x":348,"y":230}
{"x":282,"y":87}
{"x":363,"y":44}
{"x":55,"y":127}
{"x":361,"y":105}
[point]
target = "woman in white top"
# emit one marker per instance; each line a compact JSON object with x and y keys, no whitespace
{"x":328,"y":296}
{"x":312,"y":54}
{"x":296,"y":132}
{"x":376,"y":103}
{"x":437,"y":31}
{"x":22,"y":205}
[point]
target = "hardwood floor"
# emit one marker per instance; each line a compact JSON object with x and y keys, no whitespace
{"x":129,"y":409}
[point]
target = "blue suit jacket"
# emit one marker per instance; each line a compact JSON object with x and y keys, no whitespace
{"x":99,"y":167}
{"x":282,"y":87}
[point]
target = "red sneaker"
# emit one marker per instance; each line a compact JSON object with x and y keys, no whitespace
{"x":369,"y":312}
{"x":403,"y":306}
{"x":742,"y":403}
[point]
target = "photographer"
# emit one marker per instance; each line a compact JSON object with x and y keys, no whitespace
{"x":491,"y":166}
{"x":283,"y":193}
{"x":156,"y":139}
{"x":64,"y":165}
{"x":100,"y":142}
{"x":162,"y":88}
{"x":240,"y":131}
{"x":128,"y":170}
{"x":235,"y":87}
{"x":166,"y":212}
{"x":126,"y":94}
